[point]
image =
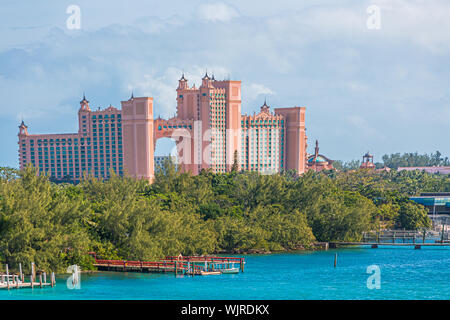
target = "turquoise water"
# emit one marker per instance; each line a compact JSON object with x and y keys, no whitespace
{"x":405,"y":274}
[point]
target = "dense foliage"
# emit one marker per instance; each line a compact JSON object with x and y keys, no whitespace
{"x":56,"y":225}
{"x":396,"y":160}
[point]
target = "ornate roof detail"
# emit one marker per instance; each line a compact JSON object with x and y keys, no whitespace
{"x":367,"y":162}
{"x":264,"y":114}
{"x":265,"y":108}
{"x":368,"y":155}
{"x":206,"y":77}
{"x":23,"y":128}
{"x":318,"y":162}
{"x":84,"y":101}
{"x":84,"y":104}
{"x":319,"y":159}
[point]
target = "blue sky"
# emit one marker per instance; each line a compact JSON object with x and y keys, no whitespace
{"x":383,"y":90}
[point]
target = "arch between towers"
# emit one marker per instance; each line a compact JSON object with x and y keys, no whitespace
{"x":181,"y":131}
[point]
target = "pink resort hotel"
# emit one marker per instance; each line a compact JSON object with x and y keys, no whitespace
{"x":209,"y":132}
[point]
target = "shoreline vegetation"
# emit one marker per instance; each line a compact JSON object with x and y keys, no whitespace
{"x":56,"y":224}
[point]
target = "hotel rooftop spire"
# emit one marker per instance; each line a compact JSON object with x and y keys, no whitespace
{"x":84,"y":104}
{"x":206,"y":75}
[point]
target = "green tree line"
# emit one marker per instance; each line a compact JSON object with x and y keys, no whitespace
{"x":395,"y":160}
{"x":56,"y":225}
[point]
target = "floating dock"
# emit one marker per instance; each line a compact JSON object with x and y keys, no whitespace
{"x":190,"y":265}
{"x":18,"y":281}
{"x":20,"y":285}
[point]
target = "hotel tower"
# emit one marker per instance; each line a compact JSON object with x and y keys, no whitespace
{"x":209,"y":132}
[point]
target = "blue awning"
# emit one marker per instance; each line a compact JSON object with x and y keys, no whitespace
{"x":432,"y":201}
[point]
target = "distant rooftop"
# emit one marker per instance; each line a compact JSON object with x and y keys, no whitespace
{"x":432,"y":201}
{"x":435,"y":194}
{"x":441,"y":170}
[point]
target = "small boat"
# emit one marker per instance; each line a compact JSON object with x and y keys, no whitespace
{"x":209,"y":273}
{"x":230,"y":270}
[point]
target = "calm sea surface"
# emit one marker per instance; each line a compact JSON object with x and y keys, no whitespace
{"x":405,"y":274}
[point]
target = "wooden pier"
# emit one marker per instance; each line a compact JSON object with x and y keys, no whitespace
{"x":191,"y":265}
{"x":18,"y":281}
{"x":376,"y":244}
{"x":20,"y":285}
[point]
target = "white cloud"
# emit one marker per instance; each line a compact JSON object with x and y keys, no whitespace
{"x":162,"y":85}
{"x":154,"y":24}
{"x":362,"y":126}
{"x":322,"y":57}
{"x":356,"y":86}
{"x":254,"y":90}
{"x":425,"y":23}
{"x":218,"y":11}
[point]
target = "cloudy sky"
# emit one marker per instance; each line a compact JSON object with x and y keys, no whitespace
{"x":385,"y":90}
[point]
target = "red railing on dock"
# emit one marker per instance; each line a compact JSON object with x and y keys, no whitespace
{"x":205,"y":258}
{"x":186,"y":264}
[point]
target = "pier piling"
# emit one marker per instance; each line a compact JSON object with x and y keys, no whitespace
{"x":335,"y":260}
{"x":20,"y":272}
{"x":7,"y":276}
{"x":10,"y":280}
{"x":33,"y":272}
